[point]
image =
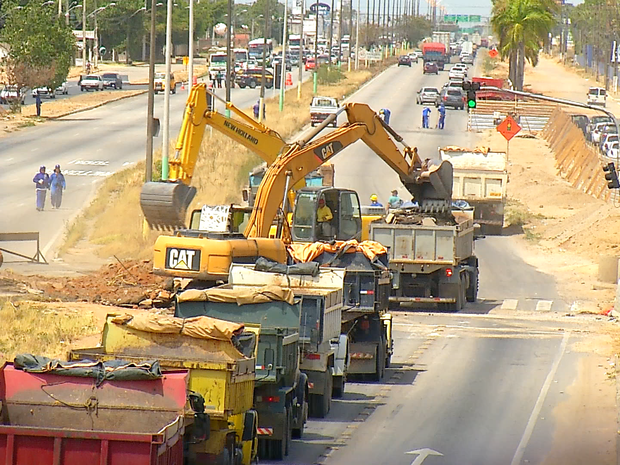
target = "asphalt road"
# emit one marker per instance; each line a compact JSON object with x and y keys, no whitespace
{"x":89,"y":146}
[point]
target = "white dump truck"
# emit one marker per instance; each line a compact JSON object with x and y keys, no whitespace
{"x":480,"y":178}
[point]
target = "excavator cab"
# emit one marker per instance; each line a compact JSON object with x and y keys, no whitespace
{"x":344,"y":205}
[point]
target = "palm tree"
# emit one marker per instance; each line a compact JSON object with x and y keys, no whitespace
{"x":522,"y":25}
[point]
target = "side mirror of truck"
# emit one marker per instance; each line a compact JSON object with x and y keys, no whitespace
{"x":250,"y":424}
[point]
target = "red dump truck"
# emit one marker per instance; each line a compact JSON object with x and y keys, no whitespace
{"x":435,"y":52}
{"x":49,"y":419}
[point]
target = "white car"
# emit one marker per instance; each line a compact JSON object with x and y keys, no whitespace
{"x":468,"y":59}
{"x":607,"y":140}
{"x":11,"y":94}
{"x":62,"y":89}
{"x":43,"y":92}
{"x":461,"y":66}
{"x":456,"y":73}
{"x":91,"y":82}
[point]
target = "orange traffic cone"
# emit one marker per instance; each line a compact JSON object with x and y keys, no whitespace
{"x":182,"y":85}
{"x":195,"y":80}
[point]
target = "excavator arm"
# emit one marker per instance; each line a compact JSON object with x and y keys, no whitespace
{"x":165,"y":203}
{"x":431,"y":185}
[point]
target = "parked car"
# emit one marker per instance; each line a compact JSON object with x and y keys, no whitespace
{"x":252,"y":78}
{"x":404,"y":60}
{"x":597,"y":96}
{"x":62,"y":89}
{"x":310,"y":64}
{"x":451,"y":97}
{"x":427,"y":95}
{"x":430,"y":67}
{"x":581,"y":121}
{"x":607,"y":140}
{"x":43,"y":92}
{"x":10,"y":94}
{"x":112,"y":80}
{"x":91,"y":82}
{"x":594,"y":120}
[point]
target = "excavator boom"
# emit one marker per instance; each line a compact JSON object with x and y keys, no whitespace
{"x":165,"y":203}
{"x":431,"y":185}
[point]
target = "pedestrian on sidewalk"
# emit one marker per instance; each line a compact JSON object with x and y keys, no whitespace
{"x":42,"y":183}
{"x":37,"y":101}
{"x":58,"y":184}
{"x":426,"y":114}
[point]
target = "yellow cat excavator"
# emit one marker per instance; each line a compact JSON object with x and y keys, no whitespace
{"x":207,"y":256}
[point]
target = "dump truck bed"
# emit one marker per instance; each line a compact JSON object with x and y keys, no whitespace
{"x":219,"y":372}
{"x":49,"y":419}
{"x":425,"y":245}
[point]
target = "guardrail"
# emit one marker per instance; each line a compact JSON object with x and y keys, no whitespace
{"x":23,"y":237}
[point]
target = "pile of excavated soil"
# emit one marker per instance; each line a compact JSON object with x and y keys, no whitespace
{"x":122,"y":284}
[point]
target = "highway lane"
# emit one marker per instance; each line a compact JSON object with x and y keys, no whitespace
{"x":465,"y":390}
{"x":89,"y":146}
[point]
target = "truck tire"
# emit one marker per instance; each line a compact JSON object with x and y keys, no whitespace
{"x":319,"y":404}
{"x":289,"y":430}
{"x":471,"y":293}
{"x":302,"y":400}
{"x":252,"y":84}
{"x":379,"y":362}
{"x":339,"y":384}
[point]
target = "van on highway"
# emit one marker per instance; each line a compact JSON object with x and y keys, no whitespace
{"x":597,"y":96}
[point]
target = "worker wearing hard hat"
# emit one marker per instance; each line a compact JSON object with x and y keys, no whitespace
{"x":324,"y":216}
{"x":374,"y":201}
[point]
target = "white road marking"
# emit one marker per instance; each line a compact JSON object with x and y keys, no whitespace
{"x":87,"y":173}
{"x":422,"y":454}
{"x":510,"y":304}
{"x":35,"y":149}
{"x":529,"y":429}
{"x":9,"y":159}
{"x":544,"y":305}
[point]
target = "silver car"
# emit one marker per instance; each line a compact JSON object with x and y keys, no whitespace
{"x":427,"y":95}
{"x":451,"y":97}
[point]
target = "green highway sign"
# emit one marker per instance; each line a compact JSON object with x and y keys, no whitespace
{"x":449,"y":18}
{"x":474,"y":18}
{"x":462,"y":18}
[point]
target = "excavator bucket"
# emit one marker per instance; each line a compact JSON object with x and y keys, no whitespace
{"x":165,"y":204}
{"x":433,"y":187}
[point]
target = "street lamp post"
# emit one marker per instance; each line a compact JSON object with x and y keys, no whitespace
{"x":283,"y":65}
{"x":96,"y":31}
{"x":301,"y":52}
{"x":150,"y":126}
{"x":357,"y":36}
{"x":261,"y":100}
{"x":229,"y":55}
{"x":84,"y":36}
{"x":165,"y":150}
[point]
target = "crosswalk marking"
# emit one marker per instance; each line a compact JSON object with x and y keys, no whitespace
{"x":510,"y":304}
{"x":544,"y":305}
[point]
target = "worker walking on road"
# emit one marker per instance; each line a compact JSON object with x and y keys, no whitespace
{"x":426,"y":114}
{"x":442,"y":116}
{"x":42,"y":182}
{"x":57,"y":185}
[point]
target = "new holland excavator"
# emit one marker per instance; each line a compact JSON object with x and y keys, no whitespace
{"x":165,"y":203}
{"x":206,"y":256}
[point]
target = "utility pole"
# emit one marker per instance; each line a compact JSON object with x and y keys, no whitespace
{"x":84,"y":36}
{"x":165,"y":150}
{"x":230,"y":67}
{"x":357,"y":36}
{"x":315,"y":74}
{"x":190,"y":65}
{"x":283,"y":67}
{"x":261,"y":100}
{"x":150,"y":127}
{"x":331,"y":32}
{"x":301,"y":52}
{"x":340,"y":31}
{"x":350,"y":31}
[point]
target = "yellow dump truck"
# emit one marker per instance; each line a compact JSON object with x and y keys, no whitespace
{"x":221,"y":361}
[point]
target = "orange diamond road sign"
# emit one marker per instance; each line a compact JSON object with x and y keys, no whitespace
{"x":508,"y":128}
{"x":493,"y":53}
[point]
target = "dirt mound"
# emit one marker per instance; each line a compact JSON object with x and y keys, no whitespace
{"x":121,"y":284}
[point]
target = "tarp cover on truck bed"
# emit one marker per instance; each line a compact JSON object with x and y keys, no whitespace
{"x":201,"y":327}
{"x":306,"y":252}
{"x":239,"y":296}
{"x":102,"y":371}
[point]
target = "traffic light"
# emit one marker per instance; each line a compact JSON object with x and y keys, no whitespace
{"x":612,"y":176}
{"x":471,"y":88}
